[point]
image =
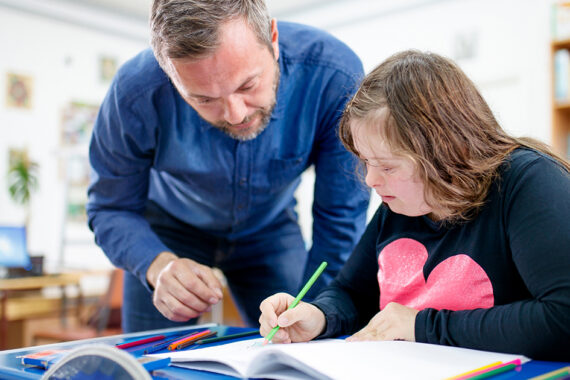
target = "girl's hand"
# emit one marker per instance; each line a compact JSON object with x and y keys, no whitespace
{"x":394,"y":322}
{"x":299,"y":324}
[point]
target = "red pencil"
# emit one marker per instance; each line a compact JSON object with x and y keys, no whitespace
{"x":140,"y":342}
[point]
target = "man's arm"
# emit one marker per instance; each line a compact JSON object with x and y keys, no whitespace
{"x":340,"y":197}
{"x":121,"y":154}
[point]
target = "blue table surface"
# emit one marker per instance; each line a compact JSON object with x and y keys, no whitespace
{"x":11,"y":367}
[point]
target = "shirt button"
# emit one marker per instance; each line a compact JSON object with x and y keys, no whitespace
{"x":243,"y":181}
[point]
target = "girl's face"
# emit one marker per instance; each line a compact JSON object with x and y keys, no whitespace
{"x":394,"y":178}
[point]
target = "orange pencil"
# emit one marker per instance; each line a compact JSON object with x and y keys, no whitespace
{"x":190,"y":338}
{"x":182,"y":345}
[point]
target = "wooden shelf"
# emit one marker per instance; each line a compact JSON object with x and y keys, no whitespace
{"x":558,"y":106}
{"x":560,"y":44}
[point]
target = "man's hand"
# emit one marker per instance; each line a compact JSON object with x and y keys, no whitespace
{"x":183,"y":289}
{"x":394,"y":322}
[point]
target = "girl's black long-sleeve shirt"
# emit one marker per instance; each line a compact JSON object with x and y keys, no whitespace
{"x":500,"y":282}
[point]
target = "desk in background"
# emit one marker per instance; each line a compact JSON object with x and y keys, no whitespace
{"x":18,"y":308}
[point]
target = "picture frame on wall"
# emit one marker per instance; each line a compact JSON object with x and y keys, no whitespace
{"x":19,"y":91}
{"x":107,"y":68}
{"x":77,"y":123}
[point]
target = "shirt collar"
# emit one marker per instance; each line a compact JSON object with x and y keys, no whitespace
{"x":281,"y":91}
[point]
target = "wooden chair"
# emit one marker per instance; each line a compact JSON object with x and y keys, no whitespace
{"x":104,"y":319}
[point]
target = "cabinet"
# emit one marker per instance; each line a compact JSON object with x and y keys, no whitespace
{"x":560,"y":51}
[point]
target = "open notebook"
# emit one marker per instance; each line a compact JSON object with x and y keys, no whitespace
{"x":336,"y":359}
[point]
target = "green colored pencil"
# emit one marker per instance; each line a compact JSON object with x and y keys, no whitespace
{"x":494,"y":372}
{"x":301,"y":294}
{"x":226,"y":337}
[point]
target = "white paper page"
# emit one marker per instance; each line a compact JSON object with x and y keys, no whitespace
{"x":390,"y":359}
{"x":338,"y":359}
{"x":236,"y":355}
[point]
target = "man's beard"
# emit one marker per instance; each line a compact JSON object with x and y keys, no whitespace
{"x":264,"y":115}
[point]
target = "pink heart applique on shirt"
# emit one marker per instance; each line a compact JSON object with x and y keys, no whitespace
{"x":457,"y":283}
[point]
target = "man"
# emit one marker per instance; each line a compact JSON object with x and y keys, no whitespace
{"x":197,"y":152}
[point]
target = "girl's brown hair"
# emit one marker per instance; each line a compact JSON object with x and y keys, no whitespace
{"x":438,"y":119}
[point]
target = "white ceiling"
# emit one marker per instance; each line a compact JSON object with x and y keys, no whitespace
{"x":140,"y":8}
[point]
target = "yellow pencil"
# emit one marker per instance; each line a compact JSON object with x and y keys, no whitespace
{"x":553,"y":374}
{"x":474,"y":370}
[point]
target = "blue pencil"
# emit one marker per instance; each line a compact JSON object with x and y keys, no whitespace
{"x":171,"y":337}
{"x":162,"y":345}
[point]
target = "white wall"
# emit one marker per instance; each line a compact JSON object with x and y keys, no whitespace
{"x":510,"y":64}
{"x":62,"y":58}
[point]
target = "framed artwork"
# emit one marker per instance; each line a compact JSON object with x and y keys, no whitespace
{"x":19,"y":90}
{"x":107,"y":68}
{"x":77,"y":123}
{"x":76,"y":211}
{"x":76,"y":126}
{"x":78,"y":170}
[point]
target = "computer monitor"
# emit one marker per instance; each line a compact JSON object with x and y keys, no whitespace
{"x":13,"y":251}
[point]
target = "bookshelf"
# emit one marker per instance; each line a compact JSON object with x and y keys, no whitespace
{"x":560,"y":55}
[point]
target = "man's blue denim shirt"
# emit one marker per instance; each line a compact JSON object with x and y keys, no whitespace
{"x":148,"y":143}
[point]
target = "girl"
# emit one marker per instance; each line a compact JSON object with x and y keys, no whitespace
{"x":471,"y":245}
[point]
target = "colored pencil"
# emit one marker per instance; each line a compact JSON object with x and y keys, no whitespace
{"x":158,"y":346}
{"x":556,"y":374}
{"x":192,"y":337}
{"x":473,"y":371}
{"x":301,"y":294}
{"x":189,"y":342}
{"x":226,"y":337}
{"x":494,"y":372}
{"x":140,"y":342}
{"x":472,"y":375}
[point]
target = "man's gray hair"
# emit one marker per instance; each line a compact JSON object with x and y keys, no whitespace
{"x":190,"y":28}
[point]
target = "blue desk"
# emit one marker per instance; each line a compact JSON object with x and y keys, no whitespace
{"x":11,"y":368}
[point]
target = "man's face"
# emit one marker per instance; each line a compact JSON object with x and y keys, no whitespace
{"x":235,"y":88}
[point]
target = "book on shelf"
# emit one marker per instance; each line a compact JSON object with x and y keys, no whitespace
{"x":560,"y":20}
{"x":336,"y":359}
{"x":562,"y":76}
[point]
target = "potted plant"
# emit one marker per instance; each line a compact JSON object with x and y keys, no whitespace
{"x":22,"y":179}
